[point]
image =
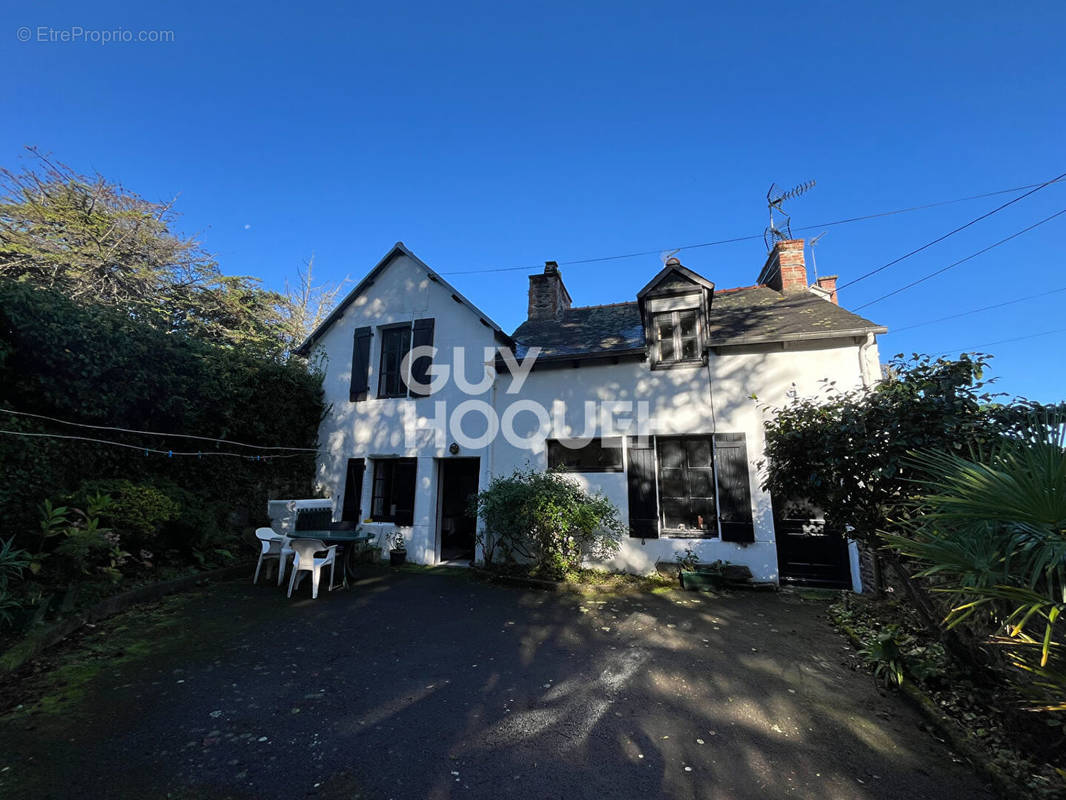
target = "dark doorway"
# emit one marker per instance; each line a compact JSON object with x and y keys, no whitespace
{"x":351,"y":510}
{"x":459,"y":484}
{"x":807,"y":553}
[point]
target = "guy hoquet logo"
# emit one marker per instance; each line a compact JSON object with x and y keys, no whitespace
{"x":524,"y":423}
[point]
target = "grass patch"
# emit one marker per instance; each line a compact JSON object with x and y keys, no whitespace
{"x":60,"y":681}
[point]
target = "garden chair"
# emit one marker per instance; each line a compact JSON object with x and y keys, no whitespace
{"x":287,"y":554}
{"x":272,"y":545}
{"x":304,"y":560}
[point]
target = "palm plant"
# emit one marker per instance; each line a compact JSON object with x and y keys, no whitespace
{"x":989,"y":532}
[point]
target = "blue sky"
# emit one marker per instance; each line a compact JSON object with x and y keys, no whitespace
{"x":487,"y":135}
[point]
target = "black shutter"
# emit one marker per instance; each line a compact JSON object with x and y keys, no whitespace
{"x":643,"y":507}
{"x":360,"y":365}
{"x":734,"y":490}
{"x":423,"y":337}
{"x":353,"y":491}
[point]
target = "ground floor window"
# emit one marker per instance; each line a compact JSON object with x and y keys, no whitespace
{"x":592,"y":455}
{"x":686,"y":485}
{"x":394,"y":490}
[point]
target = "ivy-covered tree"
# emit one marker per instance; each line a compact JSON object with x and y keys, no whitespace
{"x":99,"y":243}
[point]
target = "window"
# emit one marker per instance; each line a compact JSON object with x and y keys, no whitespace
{"x":686,"y":485}
{"x":677,"y":336}
{"x":395,"y":344}
{"x":394,"y":491}
{"x":597,"y":455}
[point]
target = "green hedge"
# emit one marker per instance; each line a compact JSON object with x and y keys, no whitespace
{"x":101,"y":366}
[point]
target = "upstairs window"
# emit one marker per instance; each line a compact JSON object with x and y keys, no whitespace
{"x":677,"y":337}
{"x":597,"y":455}
{"x":395,"y":345}
{"x":394,"y":491}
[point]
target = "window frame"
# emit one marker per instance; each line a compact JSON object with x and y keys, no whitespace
{"x":677,"y":340}
{"x":403,"y":389}
{"x":383,"y":488}
{"x":554,"y":447}
{"x":667,"y":531}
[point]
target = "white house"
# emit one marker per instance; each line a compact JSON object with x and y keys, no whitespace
{"x":657,"y":403}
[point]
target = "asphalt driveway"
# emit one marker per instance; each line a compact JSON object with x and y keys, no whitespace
{"x":423,"y":685}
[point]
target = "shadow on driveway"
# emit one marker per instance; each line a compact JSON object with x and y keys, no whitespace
{"x":433,"y":685}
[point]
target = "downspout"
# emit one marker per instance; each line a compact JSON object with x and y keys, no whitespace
{"x":864,"y":369}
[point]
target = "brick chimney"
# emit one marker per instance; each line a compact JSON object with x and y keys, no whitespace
{"x":548,"y":298}
{"x":785,"y":270}
{"x":829,"y":284}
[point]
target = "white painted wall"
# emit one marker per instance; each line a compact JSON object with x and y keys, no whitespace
{"x":680,"y":402}
{"x":375,"y":427}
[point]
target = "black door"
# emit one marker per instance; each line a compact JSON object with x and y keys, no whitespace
{"x":458,"y":525}
{"x":808,"y":554}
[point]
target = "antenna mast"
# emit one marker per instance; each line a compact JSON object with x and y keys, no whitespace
{"x":775,"y":199}
{"x":814,"y":263}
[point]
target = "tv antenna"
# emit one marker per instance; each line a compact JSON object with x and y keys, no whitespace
{"x":811,"y":244}
{"x":666,"y":255}
{"x":775,"y":198}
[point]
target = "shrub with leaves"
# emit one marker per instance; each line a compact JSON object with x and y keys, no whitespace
{"x":989,"y":533}
{"x":546,"y":519}
{"x":13,"y":562}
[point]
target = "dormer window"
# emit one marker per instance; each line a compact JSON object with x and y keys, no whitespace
{"x":677,"y":335}
{"x":674,"y":308}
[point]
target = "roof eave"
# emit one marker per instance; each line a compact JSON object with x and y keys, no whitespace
{"x":305,"y":348}
{"x":798,"y":337}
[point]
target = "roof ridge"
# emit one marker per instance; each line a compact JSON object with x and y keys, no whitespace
{"x":741,"y":288}
{"x":604,"y":305}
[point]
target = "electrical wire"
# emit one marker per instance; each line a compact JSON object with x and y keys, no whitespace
{"x":759,"y":235}
{"x":978,"y":310}
{"x":933,"y":274}
{"x":147,"y":450}
{"x":939,"y":239}
{"x":154,"y":433}
{"x":1002,"y":341}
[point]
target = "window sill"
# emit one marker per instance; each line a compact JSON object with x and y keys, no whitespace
{"x":672,"y":534}
{"x":689,"y":362}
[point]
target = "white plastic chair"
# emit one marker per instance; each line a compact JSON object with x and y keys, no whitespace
{"x":272,"y":543}
{"x":304,"y":560}
{"x":287,"y":555}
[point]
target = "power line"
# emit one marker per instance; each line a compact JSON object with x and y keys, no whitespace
{"x":759,"y":235}
{"x":978,"y":310}
{"x":154,"y":433}
{"x":933,"y":274}
{"x":1003,"y":341}
{"x":147,"y":450}
{"x":939,"y":239}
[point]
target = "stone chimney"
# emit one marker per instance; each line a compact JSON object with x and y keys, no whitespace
{"x":548,"y":298}
{"x":785,"y":269}
{"x":828,"y":283}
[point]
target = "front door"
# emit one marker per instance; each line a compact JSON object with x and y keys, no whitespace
{"x":808,"y":554}
{"x":458,"y":524}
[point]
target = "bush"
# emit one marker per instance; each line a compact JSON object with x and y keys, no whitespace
{"x":547,"y":520}
{"x":989,"y":534}
{"x":12,"y":563}
{"x":137,"y":512}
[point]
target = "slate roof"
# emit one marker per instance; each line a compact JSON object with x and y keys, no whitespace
{"x":737,"y":316}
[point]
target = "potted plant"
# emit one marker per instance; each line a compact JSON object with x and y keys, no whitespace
{"x":398,"y":551}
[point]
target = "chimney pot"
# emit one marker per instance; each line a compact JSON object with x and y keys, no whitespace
{"x":673,"y":261}
{"x":829,"y":284}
